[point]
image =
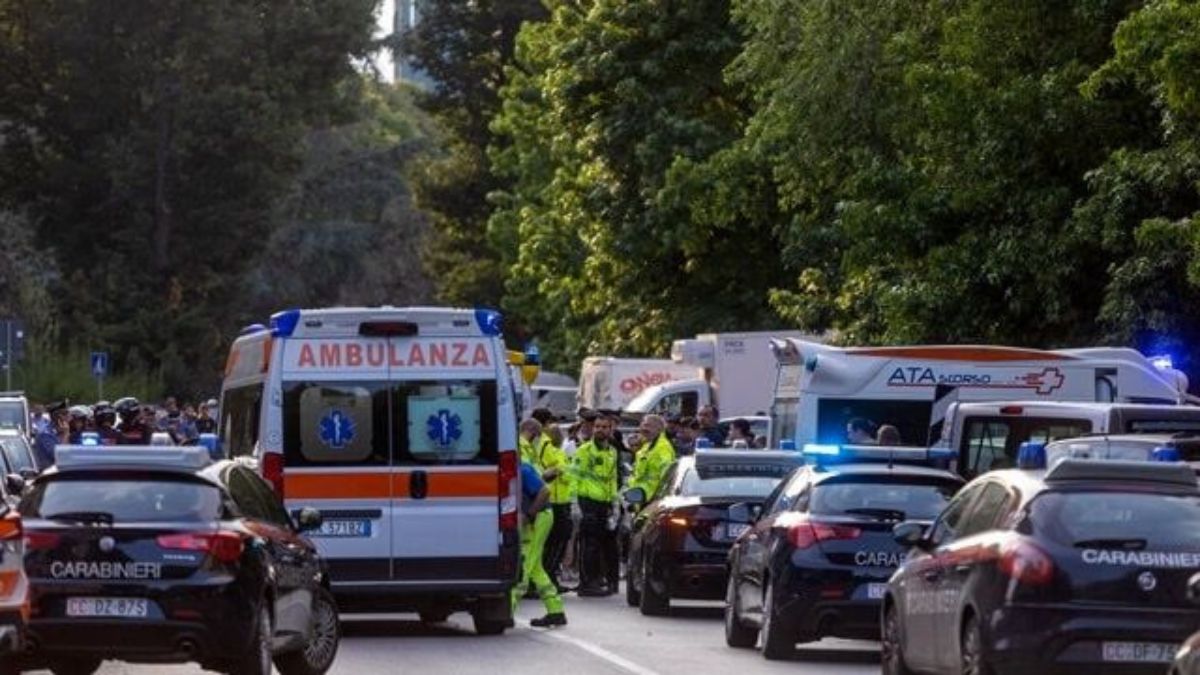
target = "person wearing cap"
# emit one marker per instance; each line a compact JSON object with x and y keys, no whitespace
{"x":655,"y":458}
{"x":56,"y":432}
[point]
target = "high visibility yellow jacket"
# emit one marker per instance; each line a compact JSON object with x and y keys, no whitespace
{"x":550,"y":456}
{"x":594,"y":472}
{"x":651,"y":464}
{"x":529,"y":450}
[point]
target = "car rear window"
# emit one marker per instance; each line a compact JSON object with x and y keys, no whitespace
{"x":16,"y":452}
{"x":733,"y":480}
{"x":125,"y":498}
{"x":1126,"y":520}
{"x":905,"y":497}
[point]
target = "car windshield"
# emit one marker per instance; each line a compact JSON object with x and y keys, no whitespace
{"x":747,"y":480}
{"x":898,"y":497}
{"x":122,"y":499}
{"x":16,"y":453}
{"x":1128,"y":520}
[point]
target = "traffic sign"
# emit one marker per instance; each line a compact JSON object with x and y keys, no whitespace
{"x":99,"y":364}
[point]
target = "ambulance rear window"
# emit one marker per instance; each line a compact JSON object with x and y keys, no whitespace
{"x":401,"y":423}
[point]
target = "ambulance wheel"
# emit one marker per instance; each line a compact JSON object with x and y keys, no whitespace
{"x":74,"y":666}
{"x":652,"y":603}
{"x":737,"y":635}
{"x":492,"y":616}
{"x":776,"y":639}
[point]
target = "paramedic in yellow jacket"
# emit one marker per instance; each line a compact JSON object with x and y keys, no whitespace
{"x":655,"y":457}
{"x":551,"y":460}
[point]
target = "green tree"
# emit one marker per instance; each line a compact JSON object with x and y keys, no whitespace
{"x":150,"y":141}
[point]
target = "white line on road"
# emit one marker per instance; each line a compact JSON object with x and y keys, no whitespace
{"x":596,"y":650}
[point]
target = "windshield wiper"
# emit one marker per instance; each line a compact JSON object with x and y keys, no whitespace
{"x":882,"y":514}
{"x":1130,"y":544}
{"x":97,"y":517}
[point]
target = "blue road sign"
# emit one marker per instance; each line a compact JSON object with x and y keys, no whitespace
{"x":99,"y":364}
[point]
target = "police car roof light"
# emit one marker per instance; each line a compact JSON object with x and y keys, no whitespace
{"x":388,"y":329}
{"x":284,"y":323}
{"x":1118,"y":471}
{"x":89,"y":438}
{"x":822,"y":449}
{"x":1032,"y":455}
{"x":1165,"y":454}
{"x":788,"y":444}
{"x":491,"y":322}
{"x":182,"y":458}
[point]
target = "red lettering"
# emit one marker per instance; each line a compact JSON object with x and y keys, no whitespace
{"x":437,"y":354}
{"x":394,"y":358}
{"x":628,"y":385}
{"x":331,"y":356}
{"x":353,"y":355}
{"x":306,"y":357}
{"x":416,"y":357}
{"x":375,"y":355}
{"x":481,"y":356}
{"x":460,"y":354}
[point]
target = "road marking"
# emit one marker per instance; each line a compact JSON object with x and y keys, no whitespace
{"x":596,"y":650}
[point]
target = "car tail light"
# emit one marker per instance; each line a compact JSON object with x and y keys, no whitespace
{"x":226,"y":547}
{"x":41,"y":541}
{"x":508,"y":490}
{"x":1025,"y":563}
{"x":272,"y":470}
{"x":10,"y":527}
{"x":805,"y":534}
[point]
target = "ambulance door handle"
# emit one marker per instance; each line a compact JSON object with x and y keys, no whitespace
{"x":418,"y":485}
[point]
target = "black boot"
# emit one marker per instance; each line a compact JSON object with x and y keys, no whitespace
{"x":550,"y":621}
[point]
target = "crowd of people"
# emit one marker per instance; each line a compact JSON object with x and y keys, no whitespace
{"x":125,"y":421}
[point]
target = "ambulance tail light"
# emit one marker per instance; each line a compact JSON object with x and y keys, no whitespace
{"x":388,"y":329}
{"x":806,"y":534}
{"x":509,"y":491}
{"x":272,"y":471}
{"x":1025,"y":563}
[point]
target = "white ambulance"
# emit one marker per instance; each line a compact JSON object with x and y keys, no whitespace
{"x":399,"y":425}
{"x":819,"y":388}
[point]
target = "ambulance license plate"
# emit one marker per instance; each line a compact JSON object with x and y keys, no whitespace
{"x":132,"y":608}
{"x":1138,"y":652}
{"x":344,"y":528}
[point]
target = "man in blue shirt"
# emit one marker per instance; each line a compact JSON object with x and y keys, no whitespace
{"x":535,"y":505}
{"x":54,"y":433}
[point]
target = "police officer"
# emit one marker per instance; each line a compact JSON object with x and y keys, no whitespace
{"x":535,"y":498}
{"x":595,"y":476}
{"x":133,"y":429}
{"x":655,"y":457}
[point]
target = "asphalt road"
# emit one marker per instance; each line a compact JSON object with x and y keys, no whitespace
{"x":604,"y":636}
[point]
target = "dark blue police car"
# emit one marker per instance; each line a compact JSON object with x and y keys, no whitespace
{"x":1082,"y":568}
{"x":815,"y":562}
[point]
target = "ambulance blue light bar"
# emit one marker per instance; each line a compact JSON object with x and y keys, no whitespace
{"x":823,"y":453}
{"x":177,"y":458}
{"x":284,"y":323}
{"x":491,"y":322}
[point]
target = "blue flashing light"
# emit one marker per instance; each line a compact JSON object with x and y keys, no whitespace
{"x":703,"y":443}
{"x":1163,"y":362}
{"x":533,"y":355}
{"x":1165,"y":454}
{"x":490,"y":321}
{"x":284,"y":323}
{"x":787,"y":444}
{"x":1032,"y":455}
{"x":822,"y":449}
{"x":89,"y":438}
{"x":252,"y":329}
{"x":810,"y":364}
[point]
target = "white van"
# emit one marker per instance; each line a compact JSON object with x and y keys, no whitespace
{"x":399,"y":425}
{"x":820,"y":388}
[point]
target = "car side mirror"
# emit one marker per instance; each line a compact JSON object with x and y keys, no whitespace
{"x":910,"y":534}
{"x":15,"y":483}
{"x":1193,"y":589}
{"x":309,"y":519}
{"x":743,"y":513}
{"x":635,"y":496}
{"x":29,"y":474}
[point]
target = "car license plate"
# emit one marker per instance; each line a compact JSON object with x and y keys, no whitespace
{"x":735,"y":530}
{"x":876,"y":591}
{"x":134,"y":608}
{"x":1138,"y":652}
{"x":344,"y":528}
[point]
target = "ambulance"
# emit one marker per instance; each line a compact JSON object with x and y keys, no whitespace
{"x":399,"y":426}
{"x":820,"y":388}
